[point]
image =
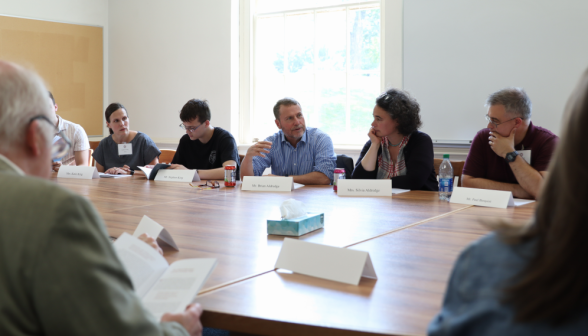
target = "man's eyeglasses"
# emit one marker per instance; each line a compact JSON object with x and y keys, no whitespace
{"x":211,"y":184}
{"x":207,"y":185}
{"x":189,"y":128}
{"x":61,"y":145}
{"x":496,"y":124}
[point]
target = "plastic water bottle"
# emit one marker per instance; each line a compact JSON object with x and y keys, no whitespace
{"x":445,"y":179}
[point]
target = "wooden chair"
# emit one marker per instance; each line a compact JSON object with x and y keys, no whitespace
{"x":91,"y":162}
{"x":241,"y":156}
{"x":457,"y":169}
{"x":94,"y":144}
{"x":167,"y":155}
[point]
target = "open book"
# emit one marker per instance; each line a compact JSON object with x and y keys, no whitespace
{"x":163,"y":288}
{"x":152,"y":172}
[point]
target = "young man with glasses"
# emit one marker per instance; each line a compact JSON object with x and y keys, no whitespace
{"x":79,"y":151}
{"x":511,"y":154}
{"x":204,"y":147}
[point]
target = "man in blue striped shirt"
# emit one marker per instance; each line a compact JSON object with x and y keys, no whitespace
{"x":304,"y":153}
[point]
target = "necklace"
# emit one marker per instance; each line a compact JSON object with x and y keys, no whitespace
{"x":398,"y":144}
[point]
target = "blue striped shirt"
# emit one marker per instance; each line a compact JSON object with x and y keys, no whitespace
{"x":314,"y":152}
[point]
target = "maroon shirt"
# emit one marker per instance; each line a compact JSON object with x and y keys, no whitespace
{"x":482,"y":162}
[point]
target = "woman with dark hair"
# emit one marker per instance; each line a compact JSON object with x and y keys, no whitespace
{"x":396,"y":149}
{"x":531,"y":279}
{"x":123,"y":150}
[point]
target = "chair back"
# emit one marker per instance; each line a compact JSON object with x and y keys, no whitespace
{"x":91,"y":162}
{"x":344,"y":161}
{"x":94,"y":144}
{"x":167,"y":155}
{"x":457,"y":170}
{"x":241,"y":157}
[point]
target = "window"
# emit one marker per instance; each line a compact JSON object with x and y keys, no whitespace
{"x":324,"y":53}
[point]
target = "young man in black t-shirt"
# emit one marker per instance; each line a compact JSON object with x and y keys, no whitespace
{"x":204,"y":147}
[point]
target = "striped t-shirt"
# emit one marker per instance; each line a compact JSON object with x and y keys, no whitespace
{"x":79,"y":140}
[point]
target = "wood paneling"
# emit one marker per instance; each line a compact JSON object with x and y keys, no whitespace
{"x":69,"y":57}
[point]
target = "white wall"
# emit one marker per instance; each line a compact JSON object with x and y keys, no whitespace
{"x":90,"y":12}
{"x":159,"y":54}
{"x":163,"y":53}
{"x":457,"y":52}
{"x":84,"y":12}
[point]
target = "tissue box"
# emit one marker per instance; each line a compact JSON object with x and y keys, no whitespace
{"x":296,"y":226}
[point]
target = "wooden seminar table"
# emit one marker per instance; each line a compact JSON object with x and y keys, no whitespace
{"x":413,"y":266}
{"x":413,"y":240}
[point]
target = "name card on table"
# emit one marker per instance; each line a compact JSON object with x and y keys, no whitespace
{"x":364,"y":187}
{"x":267,"y":183}
{"x":78,"y":172}
{"x":326,"y":262}
{"x":482,"y":197}
{"x":154,"y":229}
{"x":177,"y":175}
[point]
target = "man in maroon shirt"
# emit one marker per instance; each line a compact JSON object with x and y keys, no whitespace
{"x":511,"y":154}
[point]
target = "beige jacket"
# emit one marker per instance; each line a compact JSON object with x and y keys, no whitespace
{"x":59,"y":274}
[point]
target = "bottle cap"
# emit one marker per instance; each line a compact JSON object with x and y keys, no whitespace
{"x":339,"y":170}
{"x":446,"y":156}
{"x":230,"y":167}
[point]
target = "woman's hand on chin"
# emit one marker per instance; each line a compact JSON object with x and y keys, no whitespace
{"x":373,"y":137}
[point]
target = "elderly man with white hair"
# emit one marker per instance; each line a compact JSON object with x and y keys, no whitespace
{"x":59,"y":274}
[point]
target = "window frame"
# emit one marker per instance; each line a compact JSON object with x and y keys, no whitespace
{"x":391,"y":21}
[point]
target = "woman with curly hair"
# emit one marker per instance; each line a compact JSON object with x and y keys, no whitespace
{"x":396,"y":149}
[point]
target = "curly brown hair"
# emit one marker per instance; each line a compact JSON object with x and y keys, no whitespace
{"x":403,"y":108}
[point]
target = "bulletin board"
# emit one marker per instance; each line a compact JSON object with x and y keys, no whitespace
{"x":69,"y":57}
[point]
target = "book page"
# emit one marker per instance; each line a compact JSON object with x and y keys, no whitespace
{"x":178,"y":286}
{"x":145,"y":170}
{"x":143,"y":264}
{"x":104,"y":175}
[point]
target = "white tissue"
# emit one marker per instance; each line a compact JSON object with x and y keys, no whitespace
{"x":292,"y":209}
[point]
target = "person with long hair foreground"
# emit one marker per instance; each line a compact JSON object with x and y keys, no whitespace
{"x":531,"y":279}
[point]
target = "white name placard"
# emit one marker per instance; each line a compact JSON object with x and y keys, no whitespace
{"x":267,"y":183}
{"x":482,"y":197}
{"x":125,"y":149}
{"x":176,"y":175}
{"x":154,"y":229}
{"x":326,"y":262}
{"x":364,"y":187}
{"x":526,"y":155}
{"x":78,"y":172}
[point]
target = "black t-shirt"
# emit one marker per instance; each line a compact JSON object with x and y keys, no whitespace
{"x":193,"y":154}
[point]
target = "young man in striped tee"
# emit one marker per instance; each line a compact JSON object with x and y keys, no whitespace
{"x":79,"y":153}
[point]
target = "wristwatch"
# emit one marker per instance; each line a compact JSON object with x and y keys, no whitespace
{"x":510,"y":157}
